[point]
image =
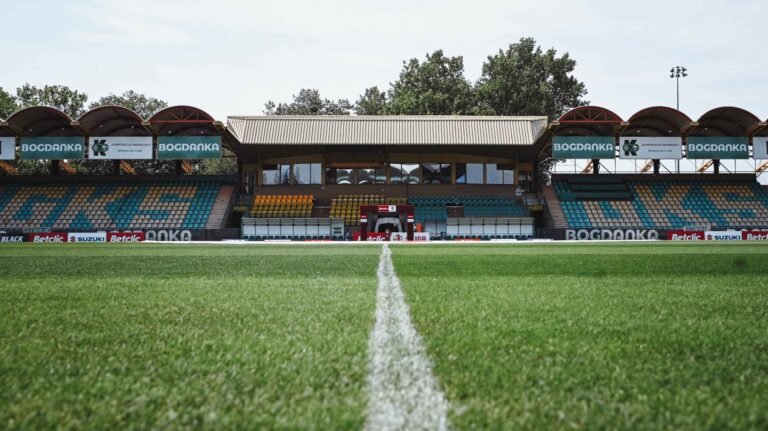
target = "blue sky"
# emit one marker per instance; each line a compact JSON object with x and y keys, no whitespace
{"x":230,"y":57}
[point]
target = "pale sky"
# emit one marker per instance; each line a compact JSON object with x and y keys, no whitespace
{"x":230,"y":57}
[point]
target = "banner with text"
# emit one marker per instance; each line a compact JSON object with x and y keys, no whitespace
{"x":52,"y":148}
{"x":188,"y":147}
{"x":7,"y":148}
{"x":760,"y":147}
{"x":582,"y":147}
{"x":716,"y":147}
{"x":120,"y":148}
{"x":637,"y":147}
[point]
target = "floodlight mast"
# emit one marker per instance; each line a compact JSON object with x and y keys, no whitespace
{"x":678,"y":72}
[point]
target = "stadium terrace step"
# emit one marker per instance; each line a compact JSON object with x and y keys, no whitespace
{"x":555,"y":209}
{"x":218,"y":216}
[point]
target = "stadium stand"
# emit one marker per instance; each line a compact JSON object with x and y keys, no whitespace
{"x":609,"y":201}
{"x":282,"y":206}
{"x":436,"y":208}
{"x":106,"y":205}
{"x":347,"y":207}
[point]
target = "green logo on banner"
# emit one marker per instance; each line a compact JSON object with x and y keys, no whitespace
{"x":188,"y":147}
{"x":716,"y":147}
{"x":582,"y":147}
{"x":52,"y":148}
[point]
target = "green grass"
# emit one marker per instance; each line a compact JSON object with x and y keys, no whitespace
{"x":138,"y":336}
{"x":641,"y":336}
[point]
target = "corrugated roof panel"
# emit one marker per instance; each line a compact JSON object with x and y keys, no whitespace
{"x":386,"y":130}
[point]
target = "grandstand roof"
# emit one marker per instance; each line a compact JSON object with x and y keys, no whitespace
{"x":112,"y":120}
{"x":386,"y":130}
{"x":658,"y":121}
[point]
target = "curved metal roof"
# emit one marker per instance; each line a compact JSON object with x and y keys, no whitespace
{"x":113,"y":120}
{"x":726,"y":121}
{"x":41,"y":121}
{"x":658,"y":121}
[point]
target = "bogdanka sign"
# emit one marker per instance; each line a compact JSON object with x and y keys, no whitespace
{"x":583,"y":147}
{"x":188,"y":147}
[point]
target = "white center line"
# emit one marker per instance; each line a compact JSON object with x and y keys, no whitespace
{"x":403,"y":393}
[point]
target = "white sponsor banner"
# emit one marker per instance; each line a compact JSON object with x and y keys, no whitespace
{"x":87,"y":237}
{"x":398,"y":236}
{"x":726,"y":235}
{"x":760,"y":147}
{"x":120,"y":148}
{"x":637,"y":147}
{"x":421,"y":236}
{"x":7,"y":148}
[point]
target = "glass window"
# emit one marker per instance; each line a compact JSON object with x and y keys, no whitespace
{"x":461,"y":173}
{"x":285,"y":174}
{"x":316,"y":172}
{"x":395,"y":173}
{"x":410,"y":173}
{"x":270,"y":175}
{"x":365,"y":176}
{"x":436,"y":173}
{"x":496,"y":175}
{"x":330,"y":176}
{"x":344,"y":176}
{"x":380,"y":176}
{"x":301,"y":173}
{"x":492,"y":174}
{"x":474,"y":173}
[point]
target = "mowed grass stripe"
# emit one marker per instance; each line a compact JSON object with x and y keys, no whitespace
{"x":105,"y":336}
{"x":599,"y":336}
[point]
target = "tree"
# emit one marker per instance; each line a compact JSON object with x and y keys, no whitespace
{"x":309,"y":102}
{"x":435,"y":87}
{"x":61,"y":97}
{"x":372,"y":102}
{"x":7,"y":104}
{"x":524,"y":80}
{"x":137,"y":102}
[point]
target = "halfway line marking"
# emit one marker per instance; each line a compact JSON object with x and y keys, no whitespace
{"x":402,"y":392}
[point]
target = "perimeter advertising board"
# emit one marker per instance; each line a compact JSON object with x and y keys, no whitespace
{"x":120,"y":148}
{"x":717,"y":147}
{"x":7,"y":148}
{"x":52,"y":148}
{"x":87,"y":237}
{"x":636,"y":147}
{"x":188,"y":147}
{"x":582,"y":147}
{"x":760,"y":147}
{"x":610,"y":234}
{"x":11,"y":238}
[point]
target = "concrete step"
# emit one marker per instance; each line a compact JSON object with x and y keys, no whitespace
{"x":555,"y":209}
{"x":219,"y":214}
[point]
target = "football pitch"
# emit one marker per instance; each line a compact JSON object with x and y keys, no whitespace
{"x":534,"y":336}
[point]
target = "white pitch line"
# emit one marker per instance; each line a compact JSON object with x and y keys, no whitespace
{"x":402,"y":392}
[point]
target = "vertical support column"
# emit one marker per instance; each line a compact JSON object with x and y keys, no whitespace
{"x":716,"y":166}
{"x":656,"y":166}
{"x":363,"y":224}
{"x":595,"y":166}
{"x":409,"y":222}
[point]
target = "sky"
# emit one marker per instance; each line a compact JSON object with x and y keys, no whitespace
{"x":230,"y":57}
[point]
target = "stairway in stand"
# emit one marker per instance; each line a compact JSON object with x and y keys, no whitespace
{"x":555,"y":210}
{"x":218,"y":215}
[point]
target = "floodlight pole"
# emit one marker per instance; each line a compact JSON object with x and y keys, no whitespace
{"x":676,"y":72}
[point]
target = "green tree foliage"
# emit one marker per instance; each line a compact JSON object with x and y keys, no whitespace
{"x":309,"y":102}
{"x":61,"y":97}
{"x":524,"y":80}
{"x":137,"y":102}
{"x":372,"y":102}
{"x":436,"y":86}
{"x":7,"y":104}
